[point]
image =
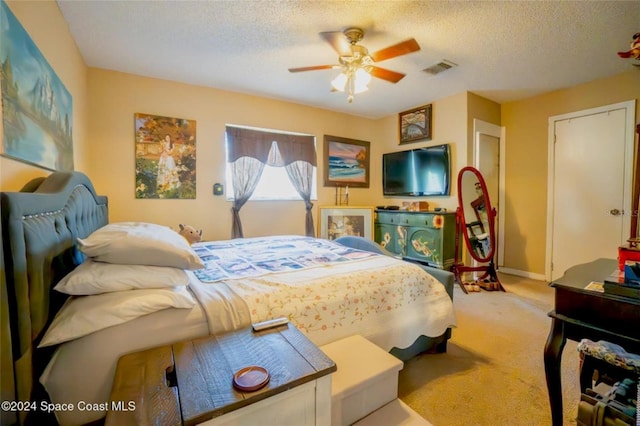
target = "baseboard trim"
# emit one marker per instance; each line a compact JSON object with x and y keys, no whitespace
{"x":519,"y":273}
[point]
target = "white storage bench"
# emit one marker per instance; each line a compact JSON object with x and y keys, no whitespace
{"x":366,"y":381}
{"x":395,"y":413}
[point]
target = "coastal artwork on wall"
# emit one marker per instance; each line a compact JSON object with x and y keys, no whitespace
{"x":165,"y":157}
{"x":37,"y":110}
{"x":346,"y":162}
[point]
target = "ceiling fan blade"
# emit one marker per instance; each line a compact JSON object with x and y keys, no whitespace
{"x":313,"y":68}
{"x":386,"y":74}
{"x":399,"y":49}
{"x":338,"y":41}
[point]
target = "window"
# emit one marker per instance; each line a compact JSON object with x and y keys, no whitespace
{"x":274,"y":183}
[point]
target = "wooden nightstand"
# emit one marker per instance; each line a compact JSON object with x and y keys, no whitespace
{"x":192,"y":382}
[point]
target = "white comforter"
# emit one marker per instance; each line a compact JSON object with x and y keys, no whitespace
{"x":388,"y":301}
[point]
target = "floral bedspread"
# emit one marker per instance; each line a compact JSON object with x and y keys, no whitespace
{"x":326,"y":290}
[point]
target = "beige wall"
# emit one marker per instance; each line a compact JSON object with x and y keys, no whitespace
{"x":116,"y":97}
{"x":105,"y":102}
{"x":45,"y":25}
{"x":449,"y":126}
{"x":526,"y":125}
{"x":479,"y":108}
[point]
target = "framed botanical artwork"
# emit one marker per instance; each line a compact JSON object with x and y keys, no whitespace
{"x":415,"y":124}
{"x":346,"y":162}
{"x":338,"y":221}
{"x":165,"y":157}
{"x":37,"y":113}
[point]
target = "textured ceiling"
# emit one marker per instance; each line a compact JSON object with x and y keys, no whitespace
{"x":504,"y":50}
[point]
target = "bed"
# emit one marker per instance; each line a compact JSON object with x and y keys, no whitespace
{"x":48,"y":229}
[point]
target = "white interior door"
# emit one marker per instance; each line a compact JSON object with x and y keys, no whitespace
{"x":489,"y":160}
{"x":590,"y":188}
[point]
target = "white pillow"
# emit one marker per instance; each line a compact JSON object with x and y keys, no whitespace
{"x":98,"y":277}
{"x":139,"y":243}
{"x":81,"y":315}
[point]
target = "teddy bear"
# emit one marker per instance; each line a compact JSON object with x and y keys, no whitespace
{"x":190,"y":233}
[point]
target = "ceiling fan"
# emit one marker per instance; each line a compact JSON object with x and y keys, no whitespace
{"x":357,"y":64}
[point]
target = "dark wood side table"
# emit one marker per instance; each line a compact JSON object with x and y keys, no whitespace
{"x":586,"y":314}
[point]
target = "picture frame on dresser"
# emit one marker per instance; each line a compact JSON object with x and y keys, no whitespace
{"x":338,"y":221}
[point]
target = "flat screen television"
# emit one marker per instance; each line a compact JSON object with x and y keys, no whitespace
{"x":417,"y":172}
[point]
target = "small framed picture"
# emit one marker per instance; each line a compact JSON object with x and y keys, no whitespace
{"x":338,"y":221}
{"x":415,"y":124}
{"x":346,"y":162}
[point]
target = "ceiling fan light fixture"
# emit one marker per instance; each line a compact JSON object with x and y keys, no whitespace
{"x":356,"y":64}
{"x":340,"y":82}
{"x":361,"y":80}
{"x":352,"y":80}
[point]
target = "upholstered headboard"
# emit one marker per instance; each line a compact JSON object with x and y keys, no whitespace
{"x":40,"y":225}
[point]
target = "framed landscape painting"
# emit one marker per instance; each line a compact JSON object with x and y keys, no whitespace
{"x":346,"y":162}
{"x":37,"y":109}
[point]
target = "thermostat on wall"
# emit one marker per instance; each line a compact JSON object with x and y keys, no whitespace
{"x":218,"y":189}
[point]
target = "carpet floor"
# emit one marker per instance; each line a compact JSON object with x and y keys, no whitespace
{"x":493,"y":370}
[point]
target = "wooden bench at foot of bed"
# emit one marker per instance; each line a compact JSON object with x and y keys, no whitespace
{"x":191,"y":382}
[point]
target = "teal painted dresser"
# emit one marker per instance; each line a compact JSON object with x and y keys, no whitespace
{"x":427,"y":237}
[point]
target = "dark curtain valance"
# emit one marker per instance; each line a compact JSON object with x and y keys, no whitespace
{"x":257,"y":144}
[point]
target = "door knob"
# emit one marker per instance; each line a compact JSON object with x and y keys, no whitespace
{"x":615,"y":212}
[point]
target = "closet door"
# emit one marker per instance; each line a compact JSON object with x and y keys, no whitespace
{"x":590,"y":187}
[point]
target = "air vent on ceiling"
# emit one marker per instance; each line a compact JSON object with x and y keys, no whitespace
{"x":439,"y":67}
